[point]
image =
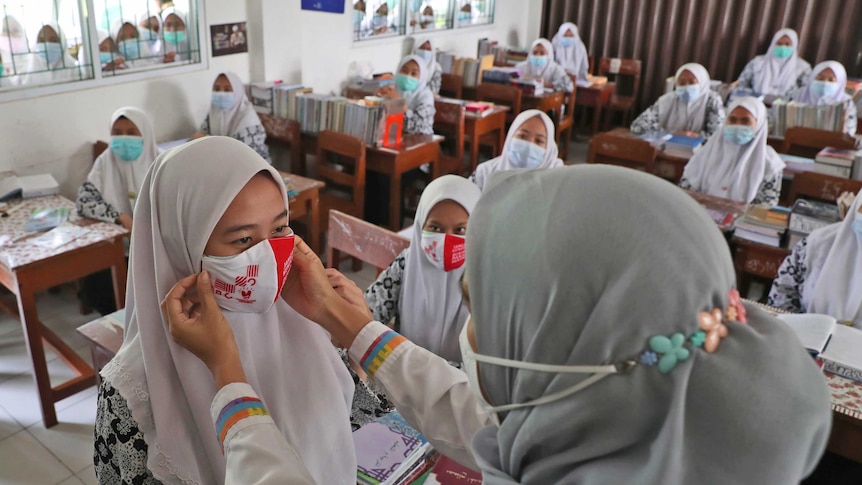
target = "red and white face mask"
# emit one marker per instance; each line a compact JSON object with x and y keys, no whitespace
{"x":251,"y":281}
{"x":445,"y":251}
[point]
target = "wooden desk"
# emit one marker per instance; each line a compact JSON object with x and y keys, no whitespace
{"x":668,"y":167}
{"x":415,"y":151}
{"x":26,"y":268}
{"x":754,"y":259}
{"x":846,"y":437}
{"x":594,"y":97}
{"x":306,"y":205}
{"x":476,"y":126}
{"x":712,"y":203}
{"x":550,"y":101}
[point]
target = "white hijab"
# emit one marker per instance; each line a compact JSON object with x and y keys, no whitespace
{"x":804,"y":95}
{"x":433,"y":65}
{"x":502,"y":163}
{"x":837,"y":282}
{"x":37,"y":63}
{"x":529,"y":70}
{"x":118,"y":179}
{"x":778,"y":76}
{"x":184,"y":48}
{"x":674,"y":114}
{"x":725,"y":169}
{"x":422,"y":94}
{"x":432,"y":305}
{"x":241,"y":115}
{"x":288,"y":359}
{"x":13,"y":40}
{"x":574,"y":59}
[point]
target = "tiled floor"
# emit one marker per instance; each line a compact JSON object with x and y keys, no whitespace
{"x":63,"y":455}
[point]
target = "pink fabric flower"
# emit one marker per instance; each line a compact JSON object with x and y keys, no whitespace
{"x":735,"y":308}
{"x":714,"y":328}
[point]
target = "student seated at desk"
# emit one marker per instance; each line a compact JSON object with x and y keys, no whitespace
{"x":541,"y":64}
{"x":112,"y":187}
{"x":411,"y":84}
{"x":425,"y":50}
{"x":823,"y":274}
{"x":421,"y":289}
{"x":529,"y":145}
{"x":693,"y":109}
{"x":826,"y":87}
{"x":49,"y":60}
{"x":214,"y":204}
{"x":738,"y":164}
{"x":231,"y":114}
{"x":580,"y":366}
{"x":571,"y":53}
{"x":780,"y":70}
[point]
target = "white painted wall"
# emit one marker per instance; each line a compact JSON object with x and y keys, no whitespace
{"x":55,"y":133}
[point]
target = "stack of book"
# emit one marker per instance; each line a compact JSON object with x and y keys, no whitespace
{"x":530,"y":86}
{"x":681,"y":146}
{"x":284,"y":99}
{"x":447,"y":61}
{"x":500,"y":75}
{"x":363,"y":119}
{"x":763,"y":224}
{"x":835,"y":162}
{"x":486,"y":47}
{"x":261,"y":96}
{"x":807,"y":216}
{"x":786,"y":115}
{"x":390,"y":452}
{"x":514,"y":56}
{"x":797,"y":164}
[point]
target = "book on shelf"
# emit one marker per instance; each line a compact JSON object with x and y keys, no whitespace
{"x":813,"y":330}
{"x":500,"y":75}
{"x":262,"y":96}
{"x":829,"y":117}
{"x":842,"y":356}
{"x":797,"y":164}
{"x":385,"y":447}
{"x":514,"y":56}
{"x":835,"y":161}
{"x":486,"y":47}
{"x":447,"y":61}
{"x":763,"y":224}
{"x":530,"y":86}
{"x":807,"y":216}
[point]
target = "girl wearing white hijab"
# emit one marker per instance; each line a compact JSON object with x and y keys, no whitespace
{"x":177,"y":35}
{"x":152,"y":421}
{"x":564,"y":384}
{"x":49,"y":61}
{"x":780,"y":70}
{"x":527,"y":146}
{"x":13,"y":46}
{"x":823,"y":274}
{"x":411,"y":84}
{"x":541,"y":64}
{"x":693,"y":109}
{"x":738,"y":165}
{"x":422,"y":13}
{"x":826,"y":87}
{"x":571,"y":53}
{"x":378,"y":20}
{"x":421,"y":289}
{"x":134,"y":48}
{"x":231,"y":114}
{"x":425,"y":50}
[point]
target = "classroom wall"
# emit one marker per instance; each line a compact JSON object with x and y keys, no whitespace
{"x":55,"y":133}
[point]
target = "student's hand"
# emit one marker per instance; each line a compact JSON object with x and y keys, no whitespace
{"x":347,"y":289}
{"x":388,"y":92}
{"x":309,"y":292}
{"x":686,"y":133}
{"x":169,"y":57}
{"x":197,"y":323}
{"x":125,"y":220}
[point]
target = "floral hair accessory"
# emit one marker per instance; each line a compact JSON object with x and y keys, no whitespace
{"x":735,"y":310}
{"x":715,"y":330}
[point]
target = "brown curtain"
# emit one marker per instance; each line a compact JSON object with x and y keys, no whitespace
{"x":723,"y":35}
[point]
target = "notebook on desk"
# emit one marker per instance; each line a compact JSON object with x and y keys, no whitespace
{"x":814,"y":331}
{"x":843,"y":354}
{"x":385,"y":448}
{"x":28,"y":186}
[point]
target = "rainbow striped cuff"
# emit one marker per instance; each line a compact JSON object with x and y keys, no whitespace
{"x":234,"y":412}
{"x":380,"y":350}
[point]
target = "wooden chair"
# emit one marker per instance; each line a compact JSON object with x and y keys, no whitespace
{"x":285,"y":133}
{"x":627,"y":80}
{"x":98,"y":148}
{"x":362,"y":240}
{"x":452,"y":86}
{"x":341,"y":166}
{"x":449,"y":121}
{"x":821,"y":187}
{"x":567,"y":121}
{"x":503,"y":94}
{"x":807,"y":142}
{"x":622,"y":151}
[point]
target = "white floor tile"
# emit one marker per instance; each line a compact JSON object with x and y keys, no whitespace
{"x":87,"y":475}
{"x":73,"y":480}
{"x":8,"y":425}
{"x":72,"y":439}
{"x":14,"y":359}
{"x":23,"y":461}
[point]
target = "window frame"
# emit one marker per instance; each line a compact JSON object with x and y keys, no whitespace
{"x":101,"y":80}
{"x":412,"y":32}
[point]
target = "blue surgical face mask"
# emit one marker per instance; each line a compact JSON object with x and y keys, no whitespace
{"x":782,"y":51}
{"x":406,"y":83}
{"x":53,"y":50}
{"x":524,"y":154}
{"x":129,"y":148}
{"x":175,"y":38}
{"x":738,"y":134}
{"x":130,"y":49}
{"x":428,"y":19}
{"x":223,"y":100}
{"x":688,"y":93}
{"x":147,"y":35}
{"x":822,"y":89}
{"x":379,"y":20}
{"x":538,"y":61}
{"x":106,"y":57}
{"x":568,"y":42}
{"x":427,"y":55}
{"x":358,"y":17}
{"x":464,"y":16}
{"x":857,"y":225}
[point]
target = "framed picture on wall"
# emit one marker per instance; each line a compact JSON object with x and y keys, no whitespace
{"x":229,"y":39}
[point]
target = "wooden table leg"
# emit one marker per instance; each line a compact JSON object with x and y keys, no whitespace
{"x":314,"y":221}
{"x":474,"y":147}
{"x":33,"y":334}
{"x":118,"y":273}
{"x":395,"y":200}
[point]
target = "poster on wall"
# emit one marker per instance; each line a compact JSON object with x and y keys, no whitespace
{"x":334,"y":6}
{"x":228,"y":39}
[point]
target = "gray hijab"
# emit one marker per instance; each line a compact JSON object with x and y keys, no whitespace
{"x":636,"y":258}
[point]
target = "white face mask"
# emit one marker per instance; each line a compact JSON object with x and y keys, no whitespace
{"x":445,"y":251}
{"x":251,"y":281}
{"x":471,"y":366}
